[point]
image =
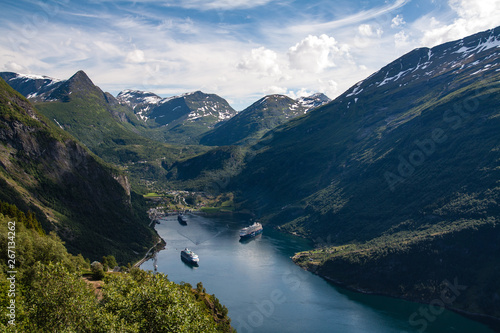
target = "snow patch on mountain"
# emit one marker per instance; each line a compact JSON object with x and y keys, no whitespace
{"x":492,"y":42}
{"x":134,"y":98}
{"x":197,"y":105}
{"x":50,"y":80}
{"x":32,"y":86}
{"x":313,"y":101}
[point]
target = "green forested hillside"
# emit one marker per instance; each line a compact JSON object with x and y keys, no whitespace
{"x":70,"y":190}
{"x":397,"y":179}
{"x":49,"y":294}
{"x":109,"y":129}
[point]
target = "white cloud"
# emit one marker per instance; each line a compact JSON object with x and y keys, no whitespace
{"x":473,"y":16}
{"x":106,"y":47}
{"x":401,"y":39}
{"x":474,"y":8}
{"x":398,"y":21}
{"x":302,"y":92}
{"x":362,"y":16}
{"x":262,"y":61}
{"x":271,"y":90}
{"x":136,"y":56}
{"x":330,"y":88}
{"x":218,"y":4}
{"x":11,"y":66}
{"x":366,"y":30}
{"x":316,"y":54}
{"x":184,"y":26}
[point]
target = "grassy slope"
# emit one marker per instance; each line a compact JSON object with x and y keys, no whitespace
{"x":112,"y":132}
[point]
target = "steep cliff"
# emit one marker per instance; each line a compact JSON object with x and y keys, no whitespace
{"x":71,"y":190}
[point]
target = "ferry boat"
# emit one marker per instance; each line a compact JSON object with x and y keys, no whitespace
{"x":182,"y":219}
{"x":251,"y":231}
{"x":189,"y":256}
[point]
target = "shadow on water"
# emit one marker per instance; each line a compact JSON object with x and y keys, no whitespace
{"x":265,"y":292}
{"x":419,"y":316}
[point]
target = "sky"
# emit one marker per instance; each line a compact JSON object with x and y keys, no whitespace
{"x":240,"y":50}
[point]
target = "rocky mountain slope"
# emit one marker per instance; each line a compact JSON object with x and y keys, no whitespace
{"x":109,"y":129}
{"x":181,"y":118}
{"x":34,"y":87}
{"x":71,"y":191}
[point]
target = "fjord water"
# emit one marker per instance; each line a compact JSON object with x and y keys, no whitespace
{"x":266,"y":292}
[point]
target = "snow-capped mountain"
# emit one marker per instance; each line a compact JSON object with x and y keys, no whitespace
{"x":313,"y":101}
{"x":40,"y":88}
{"x":265,"y":114}
{"x":470,"y":58}
{"x":190,"y":107}
{"x":34,"y":87}
{"x":140,"y":101}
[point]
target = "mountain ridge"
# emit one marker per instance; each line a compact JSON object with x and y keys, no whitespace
{"x":263,"y":115}
{"x":180,"y":119}
{"x":400,"y":167}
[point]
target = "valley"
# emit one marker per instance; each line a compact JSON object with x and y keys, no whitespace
{"x":396,"y":181}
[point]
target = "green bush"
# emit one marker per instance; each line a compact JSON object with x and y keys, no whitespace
{"x":97,"y":270}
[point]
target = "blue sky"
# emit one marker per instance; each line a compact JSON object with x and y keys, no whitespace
{"x":238,"y":49}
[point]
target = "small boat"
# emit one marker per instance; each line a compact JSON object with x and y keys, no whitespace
{"x":182,"y":219}
{"x":251,"y":231}
{"x":189,"y":256}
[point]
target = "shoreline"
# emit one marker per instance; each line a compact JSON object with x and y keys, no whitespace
{"x":160,"y":245}
{"x":490,"y":321}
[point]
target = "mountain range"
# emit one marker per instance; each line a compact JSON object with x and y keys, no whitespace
{"x":263,"y":115}
{"x":183,"y":119}
{"x":396,"y":180}
{"x":209,"y":120}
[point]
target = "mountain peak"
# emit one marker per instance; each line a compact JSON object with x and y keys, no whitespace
{"x":81,"y":77}
{"x":274,"y":98}
{"x":197,"y":110}
{"x":313,"y":101}
{"x":79,"y":83}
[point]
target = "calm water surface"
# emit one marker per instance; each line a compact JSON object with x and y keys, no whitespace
{"x":266,"y":292}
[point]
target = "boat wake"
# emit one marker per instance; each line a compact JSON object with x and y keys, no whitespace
{"x":193,"y":239}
